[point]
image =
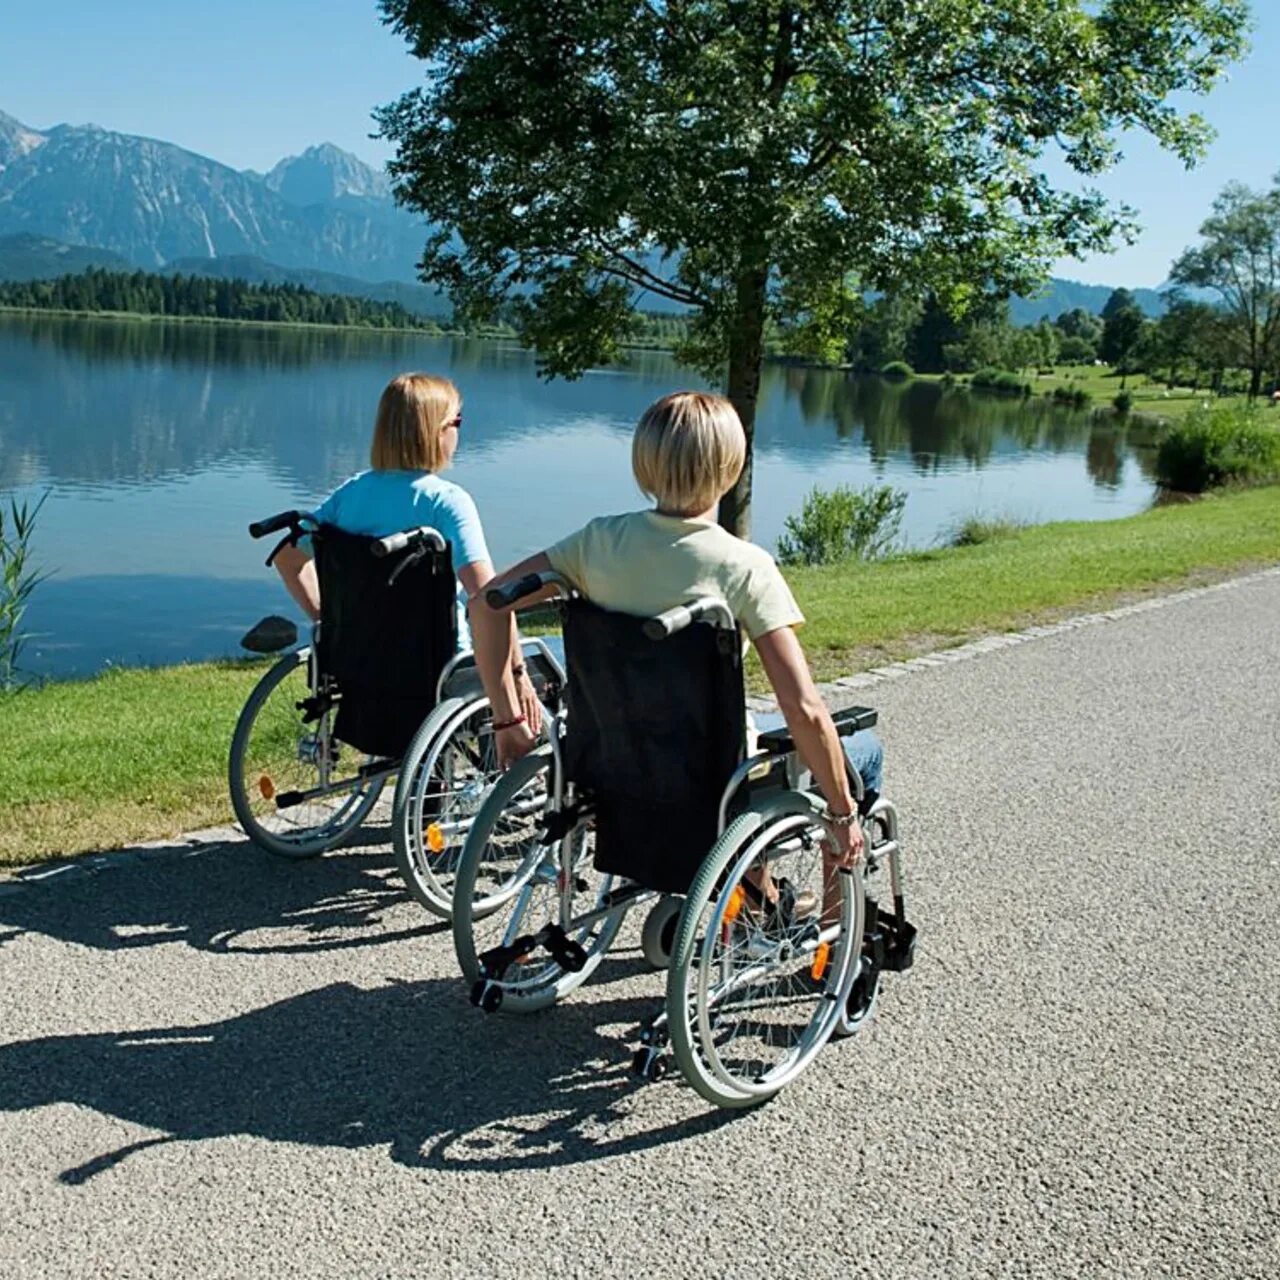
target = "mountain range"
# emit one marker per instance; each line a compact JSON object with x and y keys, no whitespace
{"x":77,"y":195}
{"x":152,"y":202}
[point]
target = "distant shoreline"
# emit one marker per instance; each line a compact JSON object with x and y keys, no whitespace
{"x":147,"y":317}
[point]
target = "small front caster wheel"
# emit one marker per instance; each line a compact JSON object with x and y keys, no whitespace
{"x":658,"y":936}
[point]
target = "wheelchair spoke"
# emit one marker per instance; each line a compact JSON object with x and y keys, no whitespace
{"x":763,"y":981}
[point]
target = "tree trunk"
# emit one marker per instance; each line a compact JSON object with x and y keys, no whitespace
{"x":1255,"y":382}
{"x":746,"y":356}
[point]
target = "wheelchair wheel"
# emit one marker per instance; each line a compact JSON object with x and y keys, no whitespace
{"x":658,"y":935}
{"x":446,"y":774}
{"x":511,"y":883}
{"x":754,"y":992}
{"x":275,"y":754}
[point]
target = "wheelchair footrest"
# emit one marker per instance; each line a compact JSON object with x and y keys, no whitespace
{"x":568,"y":954}
{"x":888,"y":939}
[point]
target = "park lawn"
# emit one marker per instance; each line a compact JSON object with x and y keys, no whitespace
{"x":1103,"y":385}
{"x":1149,"y":396}
{"x":141,"y":754}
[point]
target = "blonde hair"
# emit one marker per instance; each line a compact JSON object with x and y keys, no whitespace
{"x":412,"y":414}
{"x":688,"y":450}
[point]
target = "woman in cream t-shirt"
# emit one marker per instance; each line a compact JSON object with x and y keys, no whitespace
{"x":687,"y":452}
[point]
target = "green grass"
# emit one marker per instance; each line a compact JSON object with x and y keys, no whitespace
{"x":860,"y":615}
{"x":1103,"y":384}
{"x":134,"y":755}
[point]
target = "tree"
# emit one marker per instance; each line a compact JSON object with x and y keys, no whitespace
{"x":1079,"y":323}
{"x":1121,"y":335}
{"x":1046,"y":344}
{"x":1120,"y":300}
{"x":1240,"y":260}
{"x":746,"y":159}
{"x":1187,"y":334}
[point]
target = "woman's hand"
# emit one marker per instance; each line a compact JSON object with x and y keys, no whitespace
{"x":530,"y":707}
{"x":514,"y":743}
{"x":844,"y":844}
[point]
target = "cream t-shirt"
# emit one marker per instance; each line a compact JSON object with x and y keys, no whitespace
{"x":643,"y":563}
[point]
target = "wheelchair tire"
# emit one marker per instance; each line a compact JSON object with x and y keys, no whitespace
{"x":658,"y":934}
{"x":508,"y":884}
{"x":751,"y":999}
{"x":268,"y":758}
{"x":446,"y":773}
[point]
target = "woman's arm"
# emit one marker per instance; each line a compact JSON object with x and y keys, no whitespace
{"x":812,"y":731}
{"x":497,"y":648}
{"x":298,"y":572}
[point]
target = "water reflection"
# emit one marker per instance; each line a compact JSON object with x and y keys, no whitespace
{"x":158,"y":441}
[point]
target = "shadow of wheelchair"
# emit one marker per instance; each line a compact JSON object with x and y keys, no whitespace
{"x":228,"y":897}
{"x":409,"y":1066}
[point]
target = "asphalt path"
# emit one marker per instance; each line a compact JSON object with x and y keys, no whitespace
{"x":216,"y":1064}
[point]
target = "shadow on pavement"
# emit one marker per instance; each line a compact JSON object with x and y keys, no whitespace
{"x":228,"y":897}
{"x":410,"y":1065}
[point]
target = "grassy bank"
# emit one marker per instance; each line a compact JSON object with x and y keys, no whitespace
{"x":1102,"y":384}
{"x":133,"y":755}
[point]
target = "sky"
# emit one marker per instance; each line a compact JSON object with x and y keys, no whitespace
{"x":248,"y":83}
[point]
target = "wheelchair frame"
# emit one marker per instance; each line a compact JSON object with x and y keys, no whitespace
{"x":372,"y":774}
{"x":886,"y":941}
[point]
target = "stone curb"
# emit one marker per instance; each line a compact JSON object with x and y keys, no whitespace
{"x":199,"y":842}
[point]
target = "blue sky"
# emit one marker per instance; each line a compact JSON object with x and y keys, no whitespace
{"x":248,"y":83}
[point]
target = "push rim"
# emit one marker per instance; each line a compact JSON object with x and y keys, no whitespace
{"x":274,"y":752}
{"x":449,"y":770}
{"x":750,"y":1002}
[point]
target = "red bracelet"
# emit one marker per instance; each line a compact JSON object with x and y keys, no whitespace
{"x":499,"y":725}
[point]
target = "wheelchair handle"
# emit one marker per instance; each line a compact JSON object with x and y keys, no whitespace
{"x":685,"y":615}
{"x":273,"y":524}
{"x":421,"y":537}
{"x":514,"y":592}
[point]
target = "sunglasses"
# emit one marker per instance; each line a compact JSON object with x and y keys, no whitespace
{"x":454,"y":422}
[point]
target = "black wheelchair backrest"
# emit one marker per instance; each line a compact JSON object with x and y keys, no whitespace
{"x":388,"y":626}
{"x":655,"y":729}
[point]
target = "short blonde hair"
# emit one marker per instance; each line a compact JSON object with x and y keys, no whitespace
{"x":688,"y":451}
{"x":412,"y":415}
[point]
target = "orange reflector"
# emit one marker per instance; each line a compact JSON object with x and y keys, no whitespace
{"x":435,"y":838}
{"x":267,"y":787}
{"x":734,"y":909}
{"x":820,"y":960}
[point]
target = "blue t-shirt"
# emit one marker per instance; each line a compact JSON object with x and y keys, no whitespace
{"x":376,"y":503}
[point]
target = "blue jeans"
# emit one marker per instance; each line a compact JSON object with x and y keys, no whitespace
{"x":863,"y":750}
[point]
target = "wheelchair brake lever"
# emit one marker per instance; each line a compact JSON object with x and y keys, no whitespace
{"x":290,"y":539}
{"x":412,"y":558}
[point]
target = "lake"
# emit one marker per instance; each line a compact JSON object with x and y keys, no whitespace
{"x":157,"y":444}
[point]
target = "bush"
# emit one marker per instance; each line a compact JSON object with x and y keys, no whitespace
{"x":1073,"y":394}
{"x":1123,"y":401}
{"x":842,"y":524}
{"x":1012,"y":384}
{"x":17,"y":582}
{"x":1001,"y":380}
{"x":948,"y":379}
{"x":1212,"y":447}
{"x":897,"y":369}
{"x":976,"y":529}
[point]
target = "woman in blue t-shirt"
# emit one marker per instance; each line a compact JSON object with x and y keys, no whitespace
{"x":415,"y":437}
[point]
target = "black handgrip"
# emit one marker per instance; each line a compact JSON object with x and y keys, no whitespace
{"x":273,"y":524}
{"x":505,"y":597}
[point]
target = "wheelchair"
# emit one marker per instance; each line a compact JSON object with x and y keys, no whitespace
{"x":379,"y":693}
{"x":648,"y":798}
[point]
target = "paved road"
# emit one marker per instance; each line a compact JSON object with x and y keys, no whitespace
{"x":219,"y":1065}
